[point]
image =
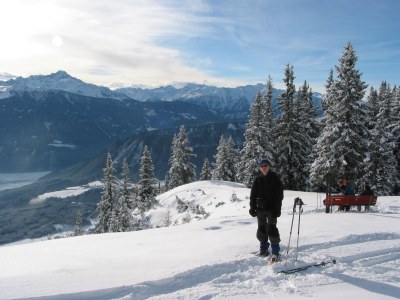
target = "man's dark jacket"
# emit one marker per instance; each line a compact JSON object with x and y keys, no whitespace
{"x":267,"y":194}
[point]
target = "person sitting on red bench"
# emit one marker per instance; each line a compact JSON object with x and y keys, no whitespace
{"x":347,"y":189}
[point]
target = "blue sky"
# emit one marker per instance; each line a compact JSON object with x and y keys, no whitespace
{"x":224,"y":43}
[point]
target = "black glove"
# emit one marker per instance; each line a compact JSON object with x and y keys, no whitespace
{"x":253,"y":212}
{"x":276,"y":214}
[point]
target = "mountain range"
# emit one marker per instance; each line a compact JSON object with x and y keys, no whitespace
{"x":49,"y":122}
{"x":54,"y":121}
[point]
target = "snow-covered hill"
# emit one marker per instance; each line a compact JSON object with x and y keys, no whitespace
{"x":211,"y":258}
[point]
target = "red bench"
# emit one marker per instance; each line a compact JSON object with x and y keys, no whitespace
{"x":347,"y":201}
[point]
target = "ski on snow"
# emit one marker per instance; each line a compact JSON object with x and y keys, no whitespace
{"x":299,"y":269}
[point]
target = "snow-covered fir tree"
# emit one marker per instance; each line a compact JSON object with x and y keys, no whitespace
{"x":206,"y":172}
{"x":254,"y":146}
{"x":288,"y":137}
{"x":328,"y":97}
{"x":146,"y":191}
{"x":181,"y":170}
{"x":313,"y":131}
{"x":396,"y":133}
{"x":225,"y":160}
{"x":78,"y":224}
{"x":268,"y":123}
{"x":305,"y":132}
{"x":115,"y":225}
{"x":381,"y":172}
{"x":373,"y":156}
{"x":233,"y":158}
{"x":321,"y":172}
{"x":109,"y":199}
{"x":373,"y":104}
{"x":125,"y":200}
{"x":343,"y":143}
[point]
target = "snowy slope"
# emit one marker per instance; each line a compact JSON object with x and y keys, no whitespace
{"x":211,"y":258}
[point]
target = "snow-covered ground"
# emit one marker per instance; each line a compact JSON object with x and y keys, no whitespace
{"x":71,"y":191}
{"x":212,"y":258}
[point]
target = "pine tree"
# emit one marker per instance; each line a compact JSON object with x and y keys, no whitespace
{"x":373,"y":153}
{"x":287,"y":135}
{"x":268,"y":124}
{"x":219,"y":172}
{"x":115,"y":224}
{"x":206,"y":173}
{"x":328,"y":98}
{"x":381,"y":171}
{"x":306,"y":131}
{"x":373,"y":103}
{"x":313,"y":130}
{"x":256,"y":138}
{"x":232,"y":159}
{"x":342,"y":146}
{"x":78,"y":224}
{"x":395,"y":129}
{"x":321,"y":171}
{"x":225,"y":160}
{"x":125,"y":217}
{"x":107,"y":205}
{"x":146,"y":186}
{"x":182,"y":170}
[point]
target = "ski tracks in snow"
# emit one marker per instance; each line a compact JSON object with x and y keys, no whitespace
{"x":369,"y":261}
{"x":366,"y":261}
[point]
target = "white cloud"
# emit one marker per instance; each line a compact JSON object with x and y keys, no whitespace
{"x":154,"y":42}
{"x":57,"y":41}
{"x":103,"y":42}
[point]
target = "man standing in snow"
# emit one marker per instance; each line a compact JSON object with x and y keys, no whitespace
{"x":265,"y":203}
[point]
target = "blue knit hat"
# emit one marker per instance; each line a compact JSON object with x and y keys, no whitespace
{"x":263,"y":162}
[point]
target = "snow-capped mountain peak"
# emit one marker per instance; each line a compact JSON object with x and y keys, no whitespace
{"x":60,"y":80}
{"x":6,"y":76}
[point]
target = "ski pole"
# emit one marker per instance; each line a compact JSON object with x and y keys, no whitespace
{"x":291,"y":228}
{"x":300,"y":202}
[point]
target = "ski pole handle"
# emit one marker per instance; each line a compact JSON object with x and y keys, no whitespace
{"x":298,"y":201}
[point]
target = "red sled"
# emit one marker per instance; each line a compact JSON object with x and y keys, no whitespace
{"x":346,"y":201}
